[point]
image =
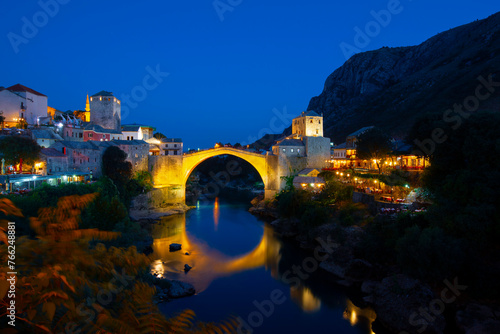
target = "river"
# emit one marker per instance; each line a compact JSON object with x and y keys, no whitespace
{"x":238,"y":268}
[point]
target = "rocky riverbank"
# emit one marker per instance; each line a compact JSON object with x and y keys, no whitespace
{"x":142,"y":212}
{"x":402,"y":304}
{"x":150,"y":214}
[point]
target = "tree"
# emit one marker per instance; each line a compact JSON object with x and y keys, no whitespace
{"x":17,"y":150}
{"x":22,"y":124}
{"x":115,"y":166}
{"x":464,"y":179}
{"x":375,"y":145}
{"x":80,"y":114}
{"x":237,"y":145}
{"x":2,"y":119}
{"x":159,"y":135}
{"x":421,"y":134}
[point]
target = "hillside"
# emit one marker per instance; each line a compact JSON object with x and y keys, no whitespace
{"x":391,"y":87}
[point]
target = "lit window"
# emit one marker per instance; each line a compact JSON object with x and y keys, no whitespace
{"x":291,"y":150}
{"x":284,"y":150}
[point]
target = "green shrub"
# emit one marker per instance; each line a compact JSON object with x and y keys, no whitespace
{"x":429,"y":253}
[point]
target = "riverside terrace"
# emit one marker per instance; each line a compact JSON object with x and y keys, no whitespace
{"x":16,"y":183}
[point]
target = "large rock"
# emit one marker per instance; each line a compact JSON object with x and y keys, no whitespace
{"x":478,"y":319}
{"x":175,"y":247}
{"x":403,"y":304}
{"x":180,"y":289}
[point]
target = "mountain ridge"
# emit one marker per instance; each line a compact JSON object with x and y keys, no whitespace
{"x":373,"y":87}
{"x":392,"y":87}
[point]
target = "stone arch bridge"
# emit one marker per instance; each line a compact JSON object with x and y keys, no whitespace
{"x":170,"y":173}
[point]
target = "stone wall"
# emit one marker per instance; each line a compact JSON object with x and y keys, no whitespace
{"x":105,"y":113}
{"x":317,"y":151}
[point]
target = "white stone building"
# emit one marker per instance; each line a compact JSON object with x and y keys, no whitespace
{"x":171,"y":146}
{"x":20,"y":102}
{"x":137,"y":132}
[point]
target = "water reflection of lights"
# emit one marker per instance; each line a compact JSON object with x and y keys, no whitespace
{"x":208,"y":264}
{"x":216,"y":214}
{"x":355,"y":315}
{"x":303,"y":297}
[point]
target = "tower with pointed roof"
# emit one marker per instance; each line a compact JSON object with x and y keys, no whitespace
{"x":87,"y":105}
{"x":105,"y":110}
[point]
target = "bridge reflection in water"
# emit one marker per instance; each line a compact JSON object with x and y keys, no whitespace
{"x":210,"y":264}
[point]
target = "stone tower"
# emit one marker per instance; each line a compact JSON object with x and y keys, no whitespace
{"x":308,"y":124}
{"x":105,"y":110}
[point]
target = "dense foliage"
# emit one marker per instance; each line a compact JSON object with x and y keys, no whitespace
{"x":115,"y":166}
{"x":373,"y":144}
{"x":16,"y":149}
{"x":64,"y":285}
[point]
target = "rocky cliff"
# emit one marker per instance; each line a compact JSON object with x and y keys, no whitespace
{"x":390,"y":87}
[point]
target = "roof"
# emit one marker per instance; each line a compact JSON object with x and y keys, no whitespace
{"x":308,"y":179}
{"x":360,"y":131}
{"x":103,"y":93}
{"x":171,"y":140}
{"x":402,"y":148}
{"x":100,"y":129}
{"x":310,"y":113}
{"x":51,"y":152}
{"x":45,"y":134}
{"x":117,"y":142}
{"x":79,"y":145}
{"x":21,"y":88}
{"x":130,"y":128}
{"x":307,"y":171}
{"x":130,"y":142}
{"x":291,"y":142}
{"x":341,"y":146}
{"x":138,"y":125}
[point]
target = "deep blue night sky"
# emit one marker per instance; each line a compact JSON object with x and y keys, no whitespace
{"x":226,"y":76}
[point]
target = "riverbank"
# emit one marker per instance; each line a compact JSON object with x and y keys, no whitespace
{"x":402,"y":303}
{"x":146,"y":216}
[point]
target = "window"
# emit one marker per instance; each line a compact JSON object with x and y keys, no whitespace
{"x":317,"y":131}
{"x":88,"y":159}
{"x":175,"y":145}
{"x":298,"y":150}
{"x":81,"y":135}
{"x":311,"y":121}
{"x":291,"y":150}
{"x":284,"y":150}
{"x":319,"y":121}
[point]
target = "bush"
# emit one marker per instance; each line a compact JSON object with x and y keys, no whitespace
{"x":429,"y":253}
{"x":291,"y":203}
{"x":313,"y":216}
{"x":350,"y":213}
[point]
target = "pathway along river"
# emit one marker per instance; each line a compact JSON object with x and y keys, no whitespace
{"x":238,"y":268}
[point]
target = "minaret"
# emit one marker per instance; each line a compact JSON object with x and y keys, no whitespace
{"x":87,"y":106}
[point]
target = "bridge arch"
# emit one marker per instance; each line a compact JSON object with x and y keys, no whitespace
{"x":257,"y":161}
{"x":170,"y":173}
